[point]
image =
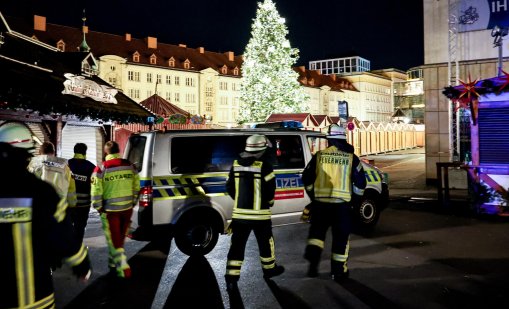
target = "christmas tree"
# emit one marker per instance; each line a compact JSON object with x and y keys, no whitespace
{"x":269,"y":83}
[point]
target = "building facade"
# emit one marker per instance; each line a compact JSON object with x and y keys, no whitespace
{"x":448,"y":38}
{"x":343,"y":65}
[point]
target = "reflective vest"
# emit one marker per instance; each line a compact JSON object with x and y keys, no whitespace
{"x":254,"y":188}
{"x":30,"y":240}
{"x":115,"y":185}
{"x":333,"y":175}
{"x":82,"y":170}
{"x":56,"y":171}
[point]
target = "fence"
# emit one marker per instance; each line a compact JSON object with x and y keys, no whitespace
{"x":372,"y":138}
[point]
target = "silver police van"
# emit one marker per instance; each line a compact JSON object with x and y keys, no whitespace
{"x":183,"y":182}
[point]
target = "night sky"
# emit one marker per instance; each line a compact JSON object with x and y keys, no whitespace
{"x":389,"y":33}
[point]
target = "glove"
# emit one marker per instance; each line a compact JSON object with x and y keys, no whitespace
{"x":306,"y":214}
{"x":83,"y":270}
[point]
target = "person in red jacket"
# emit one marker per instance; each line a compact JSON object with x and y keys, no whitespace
{"x":114,"y":192}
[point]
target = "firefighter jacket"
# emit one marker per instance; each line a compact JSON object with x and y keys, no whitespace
{"x":252,"y":184}
{"x":333,"y":174}
{"x":56,"y":171}
{"x":82,"y":170}
{"x":115,"y":185}
{"x":32,"y":238}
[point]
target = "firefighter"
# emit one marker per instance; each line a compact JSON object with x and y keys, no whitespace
{"x":33,"y":236}
{"x":56,"y":171}
{"x":252,"y":184}
{"x":114,"y":191}
{"x":334,"y":180}
{"x":82,"y":170}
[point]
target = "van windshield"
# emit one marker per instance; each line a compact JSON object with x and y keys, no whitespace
{"x":136,"y":151}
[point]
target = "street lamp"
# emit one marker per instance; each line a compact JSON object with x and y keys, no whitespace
{"x":499,"y":33}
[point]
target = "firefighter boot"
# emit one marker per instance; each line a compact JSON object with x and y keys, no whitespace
{"x":313,"y":270}
{"x":231,"y":282}
{"x":276,"y":271}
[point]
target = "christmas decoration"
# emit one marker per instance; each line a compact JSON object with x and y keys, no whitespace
{"x":269,"y":83}
{"x":506,"y":80}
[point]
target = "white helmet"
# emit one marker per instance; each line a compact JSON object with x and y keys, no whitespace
{"x":256,"y":143}
{"x":336,"y":131}
{"x":17,"y":135}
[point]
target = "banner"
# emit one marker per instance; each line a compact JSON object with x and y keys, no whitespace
{"x":482,"y":14}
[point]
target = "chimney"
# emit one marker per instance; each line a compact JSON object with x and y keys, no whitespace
{"x":151,"y":42}
{"x":39,"y":23}
{"x":84,"y":29}
{"x":128,"y":37}
{"x":201,"y":50}
{"x":230,"y":55}
{"x":183,"y":45}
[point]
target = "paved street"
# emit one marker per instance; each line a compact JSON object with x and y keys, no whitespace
{"x":419,"y":256}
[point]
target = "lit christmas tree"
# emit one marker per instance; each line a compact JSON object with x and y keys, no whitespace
{"x":269,"y":83}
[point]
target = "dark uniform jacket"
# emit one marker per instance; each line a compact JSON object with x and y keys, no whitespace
{"x":82,"y":170}
{"x":252,"y":184}
{"x":31,"y":239}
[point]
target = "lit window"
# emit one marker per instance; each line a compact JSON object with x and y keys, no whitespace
{"x":130,"y":75}
{"x":236,"y":71}
{"x":149,"y":77}
{"x":61,"y":45}
{"x":136,"y":76}
{"x":168,"y":79}
{"x":224,"y":69}
{"x":177,"y":81}
{"x":136,"y":57}
{"x":171,"y":62}
{"x":168,"y":96}
{"x":177,"y":97}
{"x":153,"y":59}
{"x":187,"y":64}
{"x":158,"y":78}
{"x":208,"y":92}
{"x":189,"y":81}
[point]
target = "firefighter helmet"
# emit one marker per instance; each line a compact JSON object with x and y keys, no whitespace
{"x":256,"y":143}
{"x":337,"y":132}
{"x":17,"y":135}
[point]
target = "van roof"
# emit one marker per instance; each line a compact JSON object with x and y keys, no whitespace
{"x":233,"y":130}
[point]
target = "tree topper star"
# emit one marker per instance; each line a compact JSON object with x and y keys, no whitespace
{"x":469,"y":88}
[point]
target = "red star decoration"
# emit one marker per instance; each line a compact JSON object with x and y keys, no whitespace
{"x":469,"y":88}
{"x":506,"y":78}
{"x":461,"y":103}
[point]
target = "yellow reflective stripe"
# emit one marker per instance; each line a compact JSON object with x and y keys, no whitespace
{"x":198,"y":187}
{"x":269,"y":176}
{"x":267,"y":260}
{"x":175,"y":191}
{"x":61,"y":209}
{"x":22,"y":233}
{"x":339,"y":257}
{"x":316,"y":242}
{"x":233,"y":272}
{"x":269,"y":266}
{"x":234,"y":263}
{"x":158,"y":182}
{"x":77,"y":258}
{"x":43,"y":303}
{"x":252,"y":211}
{"x":257,"y":203}
{"x":251,"y":217}
{"x":272,"y":248}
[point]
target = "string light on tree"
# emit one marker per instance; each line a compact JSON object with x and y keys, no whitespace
{"x":269,"y":83}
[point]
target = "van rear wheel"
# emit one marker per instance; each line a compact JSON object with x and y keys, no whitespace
{"x":196,"y":236}
{"x":367,"y":213}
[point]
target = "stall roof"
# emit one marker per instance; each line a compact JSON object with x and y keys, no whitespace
{"x":161,"y":107}
{"x":33,"y":79}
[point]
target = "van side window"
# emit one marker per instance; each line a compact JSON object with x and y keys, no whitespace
{"x":136,"y":151}
{"x":286,"y":151}
{"x":200,"y":154}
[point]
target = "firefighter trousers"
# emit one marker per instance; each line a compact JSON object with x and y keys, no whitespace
{"x":240,"y":234}
{"x":115,"y":226}
{"x":79,"y":219}
{"x":338,"y":217}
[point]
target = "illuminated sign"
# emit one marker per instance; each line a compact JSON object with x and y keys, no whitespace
{"x":81,"y":87}
{"x":483,"y":14}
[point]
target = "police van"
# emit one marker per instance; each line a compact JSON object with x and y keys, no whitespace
{"x":183,"y":177}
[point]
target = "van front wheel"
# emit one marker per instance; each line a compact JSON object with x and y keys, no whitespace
{"x":196,"y":236}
